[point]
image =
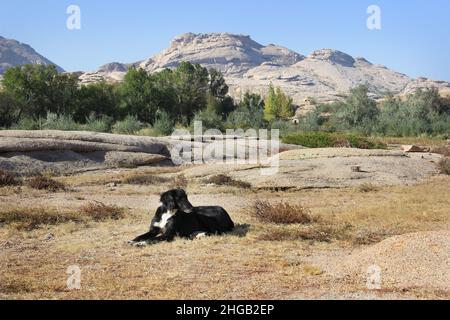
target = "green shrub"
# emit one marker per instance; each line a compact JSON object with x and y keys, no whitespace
{"x":310,"y":139}
{"x":209,"y":119}
{"x":60,"y":122}
{"x":95,"y":124}
{"x":163,"y":124}
{"x":129,"y":125}
{"x":27,"y":124}
{"x":331,"y":140}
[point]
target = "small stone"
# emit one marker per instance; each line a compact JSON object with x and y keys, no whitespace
{"x":412,"y":148}
{"x":49,"y":237}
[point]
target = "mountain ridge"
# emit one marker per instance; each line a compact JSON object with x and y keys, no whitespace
{"x":14,"y":53}
{"x":324,"y":74}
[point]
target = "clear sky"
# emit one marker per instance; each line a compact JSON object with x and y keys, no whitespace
{"x":414,"y":38}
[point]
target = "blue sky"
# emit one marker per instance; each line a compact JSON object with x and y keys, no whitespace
{"x":414,"y":39}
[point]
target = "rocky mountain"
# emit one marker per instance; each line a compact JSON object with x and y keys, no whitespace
{"x":14,"y":53}
{"x":324,"y":75}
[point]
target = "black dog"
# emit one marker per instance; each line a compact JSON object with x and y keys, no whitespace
{"x":177,"y":217}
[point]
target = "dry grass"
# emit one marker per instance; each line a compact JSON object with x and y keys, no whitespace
{"x":108,"y":176}
{"x":179,"y":182}
{"x":444,"y":150}
{"x":8,"y":179}
{"x":421,"y":141}
{"x":320,"y":232}
{"x":444,"y":166}
{"x":312,"y":270}
{"x":45,"y":183}
{"x":99,"y":211}
{"x":281,"y":213}
{"x":30,"y":218}
{"x":144,"y":179}
{"x":288,"y":265}
{"x":368,"y":187}
{"x":224,"y":180}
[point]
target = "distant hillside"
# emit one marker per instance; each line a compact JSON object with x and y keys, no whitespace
{"x":325,"y":74}
{"x":14,"y":53}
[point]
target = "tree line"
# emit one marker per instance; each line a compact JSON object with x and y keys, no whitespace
{"x":38,"y":97}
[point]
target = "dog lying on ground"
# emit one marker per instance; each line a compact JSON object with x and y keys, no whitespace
{"x":177,"y":217}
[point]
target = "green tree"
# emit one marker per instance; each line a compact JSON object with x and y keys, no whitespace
{"x":10,"y":109}
{"x":358,"y":111}
{"x":136,"y":95}
{"x":191,"y":84}
{"x":41,"y":89}
{"x":277,"y":105}
{"x":97,"y":100}
{"x":217,"y":84}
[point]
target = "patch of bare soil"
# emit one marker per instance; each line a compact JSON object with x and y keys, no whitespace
{"x":410,"y":261}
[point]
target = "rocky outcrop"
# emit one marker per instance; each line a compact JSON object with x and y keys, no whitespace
{"x":324,"y":75}
{"x":31,"y":152}
{"x":14,"y":53}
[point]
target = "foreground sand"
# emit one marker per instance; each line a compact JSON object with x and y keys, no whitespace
{"x":252,"y":263}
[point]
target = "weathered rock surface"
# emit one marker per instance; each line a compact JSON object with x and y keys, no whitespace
{"x":330,"y":168}
{"x":325,"y":74}
{"x":30,"y":152}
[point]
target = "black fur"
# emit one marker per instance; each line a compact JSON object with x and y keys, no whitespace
{"x":184,"y":223}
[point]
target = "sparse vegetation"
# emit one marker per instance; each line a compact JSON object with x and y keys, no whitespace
{"x":281,"y":213}
{"x":29,"y":218}
{"x":7,"y":179}
{"x":99,"y":211}
{"x":224,"y":180}
{"x":45,"y":183}
{"x":144,"y":179}
{"x":368,"y":187}
{"x":179,"y":182}
{"x":312,"y":270}
{"x":444,"y":166}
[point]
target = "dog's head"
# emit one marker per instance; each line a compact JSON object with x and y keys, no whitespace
{"x":176,"y":200}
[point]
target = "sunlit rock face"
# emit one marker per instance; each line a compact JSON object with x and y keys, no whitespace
{"x":247,"y":65}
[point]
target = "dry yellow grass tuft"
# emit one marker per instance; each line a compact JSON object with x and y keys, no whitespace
{"x":281,"y":213}
{"x":444,"y":166}
{"x":7,"y":179}
{"x":224,"y":180}
{"x":368,"y":187}
{"x":30,"y":218}
{"x":179,"y":182}
{"x":44,"y":183}
{"x":99,"y":211}
{"x":144,"y":179}
{"x":312,"y":270}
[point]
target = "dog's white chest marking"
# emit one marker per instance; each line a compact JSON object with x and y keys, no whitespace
{"x":164,"y":219}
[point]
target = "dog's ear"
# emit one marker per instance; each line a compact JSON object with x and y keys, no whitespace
{"x":182,"y":201}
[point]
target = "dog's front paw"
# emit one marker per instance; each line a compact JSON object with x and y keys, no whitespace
{"x":137,"y":243}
